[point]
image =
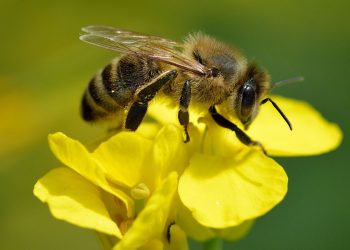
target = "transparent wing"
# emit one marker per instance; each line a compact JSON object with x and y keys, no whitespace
{"x":157,"y":48}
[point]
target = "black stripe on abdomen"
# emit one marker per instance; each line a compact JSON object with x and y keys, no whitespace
{"x":100,"y":95}
{"x":114,"y":86}
{"x":89,"y":110}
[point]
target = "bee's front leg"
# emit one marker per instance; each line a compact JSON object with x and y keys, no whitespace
{"x":183,"y":114}
{"x":241,"y":135}
{"x":144,"y":95}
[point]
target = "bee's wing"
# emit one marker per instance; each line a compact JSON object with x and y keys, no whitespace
{"x":154,"y":47}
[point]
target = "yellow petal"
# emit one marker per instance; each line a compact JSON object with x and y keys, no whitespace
{"x":148,"y":129}
{"x":74,"y":155}
{"x":122,"y":156}
{"x":165,"y":111}
{"x":219,"y":141}
{"x":72,"y":198}
{"x":152,"y":245}
{"x":311,"y":133}
{"x":224,"y":192}
{"x":178,"y":240}
{"x":151,"y":222}
{"x":168,"y":152}
{"x":235,"y":233}
{"x":192,"y":228}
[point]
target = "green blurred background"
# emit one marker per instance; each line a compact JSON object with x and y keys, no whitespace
{"x":44,"y":68}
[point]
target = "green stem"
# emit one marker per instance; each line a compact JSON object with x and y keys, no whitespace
{"x":213,"y":244}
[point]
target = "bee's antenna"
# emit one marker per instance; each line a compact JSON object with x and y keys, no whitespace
{"x":286,"y":81}
{"x":279,"y":111}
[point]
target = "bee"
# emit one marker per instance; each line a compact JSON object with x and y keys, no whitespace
{"x":202,"y":71}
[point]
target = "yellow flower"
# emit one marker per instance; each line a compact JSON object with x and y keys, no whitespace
{"x":135,"y":186}
{"x":227,"y":183}
{"x":114,"y":190}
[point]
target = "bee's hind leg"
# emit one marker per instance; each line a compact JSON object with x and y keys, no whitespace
{"x":144,"y":95}
{"x":183,"y":114}
{"x":241,"y":135}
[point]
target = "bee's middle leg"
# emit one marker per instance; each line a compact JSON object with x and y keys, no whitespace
{"x":183,"y":114}
{"x":241,"y":135}
{"x":138,"y":109}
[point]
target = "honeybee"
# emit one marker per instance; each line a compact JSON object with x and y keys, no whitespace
{"x":201,"y":71}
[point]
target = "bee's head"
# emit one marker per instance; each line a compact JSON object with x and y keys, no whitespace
{"x":251,"y":93}
{"x":251,"y":90}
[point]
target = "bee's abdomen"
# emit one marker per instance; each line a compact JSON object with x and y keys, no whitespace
{"x":89,"y":110}
{"x":94,"y":107}
{"x":112,"y":89}
{"x":99,"y":100}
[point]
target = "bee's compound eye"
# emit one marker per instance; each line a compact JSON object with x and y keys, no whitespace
{"x":248,"y":100}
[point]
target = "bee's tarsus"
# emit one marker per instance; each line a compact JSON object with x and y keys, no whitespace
{"x":187,"y":136}
{"x":241,"y":135}
{"x":256,"y":143}
{"x":183,"y":115}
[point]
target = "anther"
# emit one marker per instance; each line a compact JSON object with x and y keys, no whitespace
{"x":140,"y":191}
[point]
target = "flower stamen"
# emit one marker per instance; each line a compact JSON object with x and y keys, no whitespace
{"x":140,"y":192}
